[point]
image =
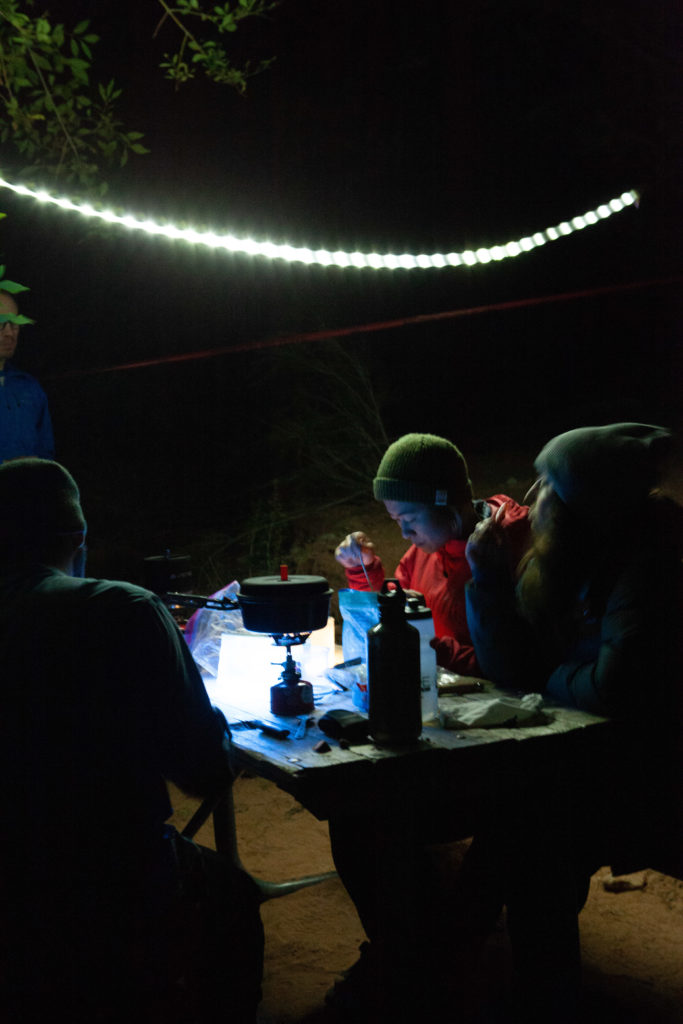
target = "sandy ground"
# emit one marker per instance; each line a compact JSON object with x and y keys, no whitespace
{"x":632,"y":938}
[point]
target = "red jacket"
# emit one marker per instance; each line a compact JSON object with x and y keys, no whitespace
{"x":441,"y":577}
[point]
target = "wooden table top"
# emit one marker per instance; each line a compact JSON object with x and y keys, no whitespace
{"x":445,"y":764}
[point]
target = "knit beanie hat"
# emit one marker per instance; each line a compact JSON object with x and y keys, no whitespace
{"x":424,"y":468}
{"x":597,"y":470}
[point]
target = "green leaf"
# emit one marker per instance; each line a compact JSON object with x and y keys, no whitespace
{"x":15,"y":318}
{"x":81,"y":27}
{"x":12,"y":287}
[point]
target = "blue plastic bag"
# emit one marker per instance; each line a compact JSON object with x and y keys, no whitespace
{"x":360,"y":612}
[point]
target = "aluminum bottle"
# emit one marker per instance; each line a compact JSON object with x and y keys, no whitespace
{"x":395,"y":709}
{"x":420,"y":616}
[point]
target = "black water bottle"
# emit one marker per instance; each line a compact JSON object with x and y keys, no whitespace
{"x":395,"y":715}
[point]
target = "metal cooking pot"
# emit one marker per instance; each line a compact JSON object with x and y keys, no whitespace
{"x":270,"y":604}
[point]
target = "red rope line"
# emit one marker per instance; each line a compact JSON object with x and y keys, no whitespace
{"x":382,"y":325}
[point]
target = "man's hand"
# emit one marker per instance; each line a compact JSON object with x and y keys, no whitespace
{"x":356,"y":549}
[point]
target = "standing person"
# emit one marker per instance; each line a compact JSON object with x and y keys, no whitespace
{"x":106,"y":913}
{"x":25,"y":424}
{"x":594,"y":622}
{"x":424,"y":483}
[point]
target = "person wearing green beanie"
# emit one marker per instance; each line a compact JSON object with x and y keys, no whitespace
{"x":424,"y":483}
{"x":593,"y":621}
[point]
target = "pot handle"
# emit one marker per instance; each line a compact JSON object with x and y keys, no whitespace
{"x":222,"y":604}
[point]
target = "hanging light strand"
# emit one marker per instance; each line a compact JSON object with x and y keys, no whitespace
{"x":325,"y":258}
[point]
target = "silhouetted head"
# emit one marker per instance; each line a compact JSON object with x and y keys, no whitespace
{"x":41,"y":519}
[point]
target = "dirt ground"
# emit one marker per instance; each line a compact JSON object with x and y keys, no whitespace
{"x":632,"y":932}
{"x":631,"y":929}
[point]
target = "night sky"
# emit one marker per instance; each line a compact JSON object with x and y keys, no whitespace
{"x":436,"y":127}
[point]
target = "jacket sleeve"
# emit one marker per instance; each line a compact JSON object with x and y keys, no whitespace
{"x":191,"y":736}
{"x":455,"y":656}
{"x":506,"y":647}
{"x":357,"y":580}
{"x":624,"y":670}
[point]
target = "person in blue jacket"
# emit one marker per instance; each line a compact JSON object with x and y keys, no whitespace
{"x":25,"y":423}
{"x":592,"y":621}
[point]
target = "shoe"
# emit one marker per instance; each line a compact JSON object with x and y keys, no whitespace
{"x":354,"y":996}
{"x":365,"y":993}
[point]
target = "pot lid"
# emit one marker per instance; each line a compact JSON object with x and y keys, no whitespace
{"x":273,"y":588}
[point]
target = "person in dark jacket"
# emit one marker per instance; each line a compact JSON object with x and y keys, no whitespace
{"x":106,"y":913}
{"x":593,"y":622}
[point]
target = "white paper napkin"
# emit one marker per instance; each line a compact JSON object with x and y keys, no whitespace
{"x":486,"y":713}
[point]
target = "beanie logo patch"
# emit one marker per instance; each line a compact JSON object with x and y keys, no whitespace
{"x":441,"y":498}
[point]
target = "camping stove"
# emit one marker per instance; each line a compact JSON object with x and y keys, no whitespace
{"x":292,"y":695}
{"x":287,"y":608}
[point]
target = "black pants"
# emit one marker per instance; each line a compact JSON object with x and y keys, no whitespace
{"x":185,"y":948}
{"x":531,"y":858}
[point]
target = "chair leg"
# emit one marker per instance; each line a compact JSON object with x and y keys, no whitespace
{"x":225,"y":833}
{"x":273,"y":890}
{"x":200,"y":816}
{"x":224,"y":829}
{"x":223,"y":810}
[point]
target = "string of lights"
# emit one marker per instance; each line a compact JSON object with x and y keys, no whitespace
{"x":325,"y":258}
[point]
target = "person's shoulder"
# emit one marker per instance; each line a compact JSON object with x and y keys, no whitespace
{"x":106,"y":591}
{"x":20,"y":377}
{"x":15,"y":372}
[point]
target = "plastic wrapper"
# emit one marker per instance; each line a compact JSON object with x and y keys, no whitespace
{"x":205,"y":628}
{"x":481,"y":712}
{"x":359,"y":611}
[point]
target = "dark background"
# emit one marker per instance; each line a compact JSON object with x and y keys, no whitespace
{"x":434,"y":127}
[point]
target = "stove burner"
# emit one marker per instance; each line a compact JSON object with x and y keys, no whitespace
{"x":292,"y":695}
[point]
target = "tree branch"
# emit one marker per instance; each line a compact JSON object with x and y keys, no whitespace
{"x":46,"y":90}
